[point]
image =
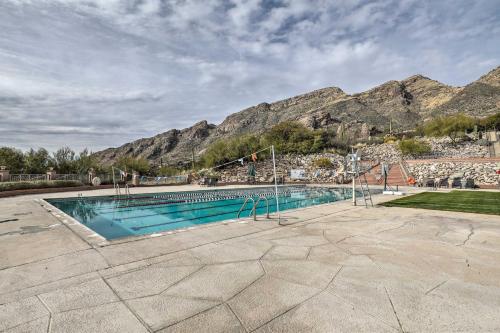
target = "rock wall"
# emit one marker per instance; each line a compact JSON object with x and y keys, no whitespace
{"x":386,"y":152}
{"x":440,"y":148}
{"x":264,"y":169}
{"x":482,"y":172}
{"x":443,"y":148}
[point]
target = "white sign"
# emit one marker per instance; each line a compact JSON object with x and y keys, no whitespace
{"x":297,"y":174}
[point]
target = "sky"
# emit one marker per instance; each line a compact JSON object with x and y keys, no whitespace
{"x":100,"y":73}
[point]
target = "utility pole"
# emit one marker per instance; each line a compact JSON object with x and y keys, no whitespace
{"x":192,"y":156}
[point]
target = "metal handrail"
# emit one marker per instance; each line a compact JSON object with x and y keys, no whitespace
{"x":254,"y":209}
{"x":117,"y":190}
{"x":243,"y":206}
{"x":127,"y":190}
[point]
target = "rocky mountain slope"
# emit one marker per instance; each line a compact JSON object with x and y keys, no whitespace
{"x":404,"y":104}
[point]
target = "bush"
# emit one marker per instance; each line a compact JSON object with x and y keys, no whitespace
{"x":12,"y":186}
{"x":223,"y":151}
{"x":390,"y":139}
{"x":130,"y":164}
{"x":168,"y":171}
{"x":491,"y":122}
{"x":12,"y":158}
{"x":454,"y":126}
{"x":414,"y":147}
{"x":323,"y":162}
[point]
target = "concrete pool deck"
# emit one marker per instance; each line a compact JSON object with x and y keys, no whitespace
{"x":332,"y":268}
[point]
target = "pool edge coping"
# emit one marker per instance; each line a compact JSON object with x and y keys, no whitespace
{"x":95,"y":240}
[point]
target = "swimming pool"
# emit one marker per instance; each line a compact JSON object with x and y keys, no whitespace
{"x":115,"y":217}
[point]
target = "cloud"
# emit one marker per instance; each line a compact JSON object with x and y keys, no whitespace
{"x":72,"y":70}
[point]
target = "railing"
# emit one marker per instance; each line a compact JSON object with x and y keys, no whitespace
{"x":72,"y":176}
{"x":27,"y":177}
{"x":405,"y":169}
{"x":244,"y":205}
{"x":163,"y":180}
{"x":254,"y":209}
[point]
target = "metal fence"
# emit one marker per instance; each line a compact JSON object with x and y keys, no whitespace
{"x":44,"y":177}
{"x":171,"y":180}
{"x":71,"y":176}
{"x":27,"y":177}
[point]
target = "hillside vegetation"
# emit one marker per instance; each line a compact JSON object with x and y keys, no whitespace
{"x":397,"y":105}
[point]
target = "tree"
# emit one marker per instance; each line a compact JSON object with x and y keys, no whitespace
{"x":129,"y":164}
{"x":12,"y":158}
{"x":63,"y":160}
{"x":36,"y":161}
{"x":454,"y":126}
{"x":491,"y":122}
{"x":168,"y":171}
{"x":85,"y":161}
{"x":291,"y":137}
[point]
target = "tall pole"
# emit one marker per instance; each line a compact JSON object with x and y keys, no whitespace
{"x":354,"y":157}
{"x":192,"y":156}
{"x":276,"y":186}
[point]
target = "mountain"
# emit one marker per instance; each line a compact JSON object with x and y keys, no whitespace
{"x":403,"y":104}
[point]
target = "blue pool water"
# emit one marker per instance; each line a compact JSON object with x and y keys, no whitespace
{"x":116,"y":217}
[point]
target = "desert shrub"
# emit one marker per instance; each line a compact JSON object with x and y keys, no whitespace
{"x":390,"y":139}
{"x":168,"y":171}
{"x":129,"y":164}
{"x":12,"y":186}
{"x":491,"y":122}
{"x":290,"y":137}
{"x":223,"y":151}
{"x":414,"y":147}
{"x":454,"y":126}
{"x":323,"y":162}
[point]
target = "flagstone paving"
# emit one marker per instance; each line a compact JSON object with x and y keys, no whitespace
{"x":329,"y":268}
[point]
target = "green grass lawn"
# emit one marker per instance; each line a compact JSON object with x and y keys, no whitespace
{"x":457,"y":201}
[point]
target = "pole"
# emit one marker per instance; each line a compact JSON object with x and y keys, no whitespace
{"x":192,"y":156}
{"x":353,"y":189}
{"x":113,"y":170}
{"x":276,"y":186}
{"x":353,"y":167}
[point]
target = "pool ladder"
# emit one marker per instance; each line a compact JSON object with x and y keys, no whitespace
{"x":254,"y":207}
{"x":118,"y":191}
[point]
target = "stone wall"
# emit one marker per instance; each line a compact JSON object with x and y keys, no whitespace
{"x":440,"y":148}
{"x":386,"y":152}
{"x":443,"y":148}
{"x":264,"y":169}
{"x":483,"y":172}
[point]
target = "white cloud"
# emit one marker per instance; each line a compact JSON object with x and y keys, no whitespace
{"x":138,"y":67}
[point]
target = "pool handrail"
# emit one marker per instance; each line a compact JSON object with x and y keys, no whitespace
{"x":254,"y":209}
{"x":243,"y":206}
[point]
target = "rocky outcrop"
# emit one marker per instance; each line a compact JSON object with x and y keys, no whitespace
{"x":174,"y":145}
{"x":404,"y":104}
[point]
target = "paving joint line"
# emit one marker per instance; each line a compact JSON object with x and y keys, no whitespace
{"x":394,"y":310}
{"x":143,"y":323}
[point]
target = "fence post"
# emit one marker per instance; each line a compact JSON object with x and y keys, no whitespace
{"x":51,"y":174}
{"x":91,"y":175}
{"x":4,"y":174}
{"x":135,"y":178}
